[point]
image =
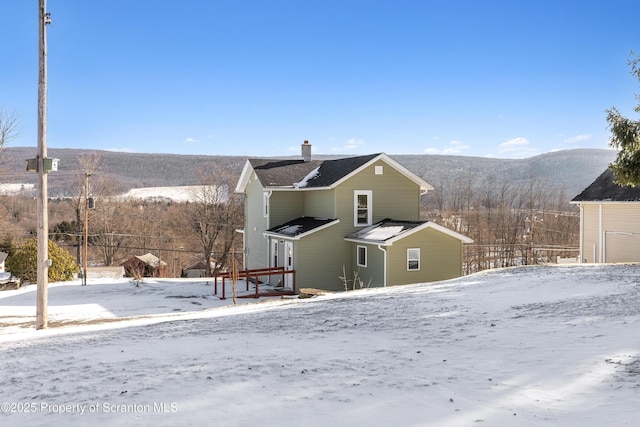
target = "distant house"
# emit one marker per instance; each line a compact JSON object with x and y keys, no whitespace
{"x":147,"y":265}
{"x":341,"y":218}
{"x":199,"y":269}
{"x":609,"y":221}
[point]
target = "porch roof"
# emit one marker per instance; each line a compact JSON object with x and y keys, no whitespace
{"x":300,"y":227}
{"x":389,"y":230}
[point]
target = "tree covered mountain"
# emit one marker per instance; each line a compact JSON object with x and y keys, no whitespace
{"x":568,"y":171}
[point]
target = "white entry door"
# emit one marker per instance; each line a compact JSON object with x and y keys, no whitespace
{"x":288,"y":264}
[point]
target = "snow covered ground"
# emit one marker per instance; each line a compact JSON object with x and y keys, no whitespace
{"x":186,"y":193}
{"x":532,"y":346}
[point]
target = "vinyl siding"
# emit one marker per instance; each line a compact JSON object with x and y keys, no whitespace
{"x":617,"y":239}
{"x":319,"y":257}
{"x":374,"y":270}
{"x":621,"y":229}
{"x":255,"y":224}
{"x":440,"y":258}
{"x":285,"y":206}
{"x":319,"y":203}
{"x":394,"y":195}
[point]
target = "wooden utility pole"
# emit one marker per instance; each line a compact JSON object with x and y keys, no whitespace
{"x":43,"y":216}
{"x":86,"y":229}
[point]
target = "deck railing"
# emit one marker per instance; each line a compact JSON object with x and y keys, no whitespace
{"x":254,"y":276}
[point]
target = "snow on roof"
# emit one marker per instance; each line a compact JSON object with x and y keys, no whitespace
{"x":289,"y":230}
{"x":299,"y":227}
{"x":384,"y":230}
{"x":388,"y":230}
{"x":150,"y":259}
{"x":305,"y":181}
{"x":381,"y":232}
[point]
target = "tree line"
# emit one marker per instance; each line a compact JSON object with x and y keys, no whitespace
{"x":510,"y":224}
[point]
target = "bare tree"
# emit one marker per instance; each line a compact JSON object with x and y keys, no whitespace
{"x":110,"y":223}
{"x":213,"y":217}
{"x":8,"y":126}
{"x":8,"y":129}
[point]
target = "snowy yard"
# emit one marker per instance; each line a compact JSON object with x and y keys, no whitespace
{"x":535,"y":346}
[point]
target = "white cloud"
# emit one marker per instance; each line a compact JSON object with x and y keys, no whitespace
{"x":516,"y":142}
{"x":350,"y":145}
{"x":517,"y":148}
{"x":122,"y":150}
{"x":455,"y":147}
{"x":191,"y":141}
{"x":577,"y":138}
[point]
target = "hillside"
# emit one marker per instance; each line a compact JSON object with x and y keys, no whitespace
{"x":568,"y":170}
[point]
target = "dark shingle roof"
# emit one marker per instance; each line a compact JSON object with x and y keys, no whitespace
{"x":299,"y":226}
{"x":604,"y":189}
{"x":313,"y":174}
{"x":282,"y":173}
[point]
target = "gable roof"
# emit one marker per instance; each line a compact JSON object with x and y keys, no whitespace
{"x":388,"y":231}
{"x":315,"y":174}
{"x":604,"y":189}
{"x":300,"y":227}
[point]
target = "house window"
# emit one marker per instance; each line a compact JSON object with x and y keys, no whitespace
{"x":274,"y":253}
{"x":362,"y":207}
{"x":413,"y":259}
{"x":378,"y":170}
{"x":362,"y":256}
{"x":265,"y":204}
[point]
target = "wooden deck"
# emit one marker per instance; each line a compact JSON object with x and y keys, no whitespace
{"x":253,"y":276}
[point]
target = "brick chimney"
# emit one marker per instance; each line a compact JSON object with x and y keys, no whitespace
{"x":306,"y":151}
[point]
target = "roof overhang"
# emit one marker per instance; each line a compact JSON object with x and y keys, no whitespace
{"x":405,"y":233}
{"x":302,"y":235}
{"x":424,"y":185}
{"x":604,"y":202}
{"x":245,"y":176}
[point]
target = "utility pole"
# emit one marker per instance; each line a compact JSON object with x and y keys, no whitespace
{"x":44,"y":19}
{"x":86,"y":228}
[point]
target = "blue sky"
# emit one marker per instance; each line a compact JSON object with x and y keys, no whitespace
{"x":506,"y":79}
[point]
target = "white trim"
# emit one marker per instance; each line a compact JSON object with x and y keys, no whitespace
{"x":366,"y":255}
{"x":427,"y":224}
{"x":413,"y":259}
{"x":266,"y":207}
{"x":424,"y":185}
{"x":274,"y":254}
{"x":356,"y":208}
{"x":245,"y":176}
{"x":581,"y":247}
{"x":300,"y":236}
{"x":606,"y":202}
{"x":288,"y":247}
{"x":384,"y":267}
{"x":600,"y":234}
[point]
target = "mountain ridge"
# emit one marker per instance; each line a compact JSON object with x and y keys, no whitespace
{"x":570,"y":171}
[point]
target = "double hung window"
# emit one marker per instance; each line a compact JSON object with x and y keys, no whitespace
{"x":413,"y":259}
{"x":362,"y":208}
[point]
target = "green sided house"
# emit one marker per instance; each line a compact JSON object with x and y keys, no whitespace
{"x":334,"y":218}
